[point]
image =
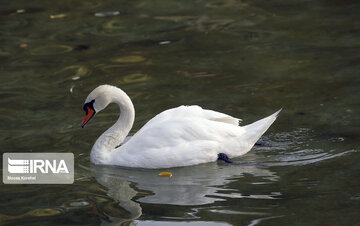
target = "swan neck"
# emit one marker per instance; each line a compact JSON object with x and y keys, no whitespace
{"x":116,"y":134}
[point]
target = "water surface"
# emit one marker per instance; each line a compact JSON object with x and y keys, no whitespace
{"x":243,"y":58}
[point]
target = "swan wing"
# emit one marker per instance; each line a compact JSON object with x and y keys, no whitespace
{"x":192,"y":111}
{"x":221,"y":117}
{"x":188,"y":135}
{"x":182,"y":136}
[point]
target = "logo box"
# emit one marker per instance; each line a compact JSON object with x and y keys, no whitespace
{"x":38,"y":168}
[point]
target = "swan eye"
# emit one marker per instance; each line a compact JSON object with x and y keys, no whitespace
{"x":89,"y":105}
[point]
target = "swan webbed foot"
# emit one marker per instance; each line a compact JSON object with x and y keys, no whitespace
{"x":224,"y":157}
{"x":261,"y":144}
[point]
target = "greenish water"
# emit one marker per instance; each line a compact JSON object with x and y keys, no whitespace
{"x":243,"y":58}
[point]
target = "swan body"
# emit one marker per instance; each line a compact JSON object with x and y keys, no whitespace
{"x":182,"y":136}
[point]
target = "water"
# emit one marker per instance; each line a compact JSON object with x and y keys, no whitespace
{"x":243,"y":58}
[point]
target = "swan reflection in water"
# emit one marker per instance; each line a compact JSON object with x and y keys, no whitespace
{"x":195,"y":185}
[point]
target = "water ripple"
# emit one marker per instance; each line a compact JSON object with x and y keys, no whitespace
{"x":299,"y":147}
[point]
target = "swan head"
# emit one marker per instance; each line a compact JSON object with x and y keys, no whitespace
{"x":96,"y":101}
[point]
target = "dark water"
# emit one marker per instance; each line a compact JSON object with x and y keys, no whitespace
{"x":243,"y":58}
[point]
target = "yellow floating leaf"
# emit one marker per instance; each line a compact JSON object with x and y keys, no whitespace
{"x":51,"y":49}
{"x":136,"y":77}
{"x":32,"y":213}
{"x":42,"y":212}
{"x":165,"y":174}
{"x":57,"y":16}
{"x":129,"y":59}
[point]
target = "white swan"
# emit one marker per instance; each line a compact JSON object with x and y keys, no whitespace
{"x":182,"y":136}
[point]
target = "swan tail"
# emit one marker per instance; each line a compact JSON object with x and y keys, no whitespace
{"x":255,"y":130}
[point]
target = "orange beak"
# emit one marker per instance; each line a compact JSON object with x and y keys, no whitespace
{"x":89,"y":114}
